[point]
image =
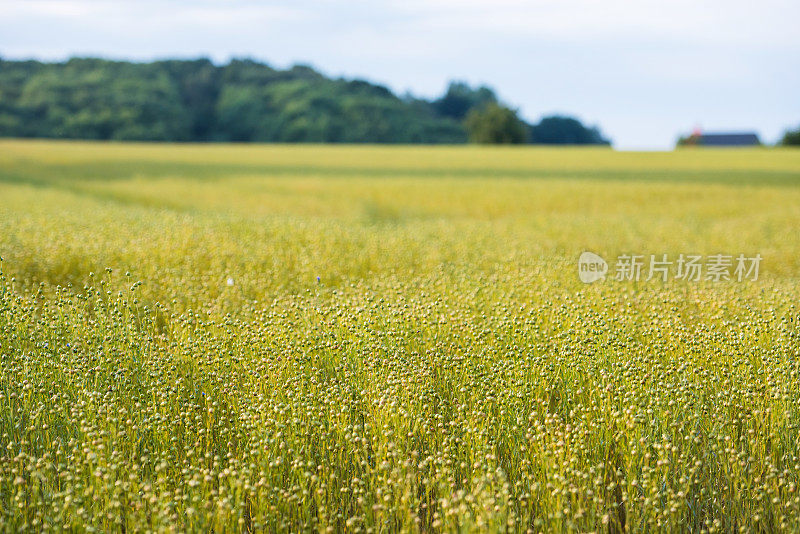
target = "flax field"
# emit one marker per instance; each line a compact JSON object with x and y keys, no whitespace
{"x":279,"y":338}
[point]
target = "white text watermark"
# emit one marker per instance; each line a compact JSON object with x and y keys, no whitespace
{"x":688,"y":267}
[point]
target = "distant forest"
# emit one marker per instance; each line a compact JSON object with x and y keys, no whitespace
{"x":249,"y":101}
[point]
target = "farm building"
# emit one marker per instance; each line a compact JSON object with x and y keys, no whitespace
{"x":722,"y":139}
{"x":729,"y":139}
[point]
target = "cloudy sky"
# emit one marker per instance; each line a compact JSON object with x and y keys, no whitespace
{"x":643,"y":70}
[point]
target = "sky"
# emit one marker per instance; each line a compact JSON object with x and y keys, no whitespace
{"x":644,"y":71}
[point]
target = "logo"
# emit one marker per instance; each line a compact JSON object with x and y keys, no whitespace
{"x":591,"y":267}
{"x":688,"y":267}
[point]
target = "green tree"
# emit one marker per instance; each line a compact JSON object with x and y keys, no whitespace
{"x":99,"y":99}
{"x":495,"y":124}
{"x":460,"y":98}
{"x":561,"y":130}
{"x":198,"y":84}
{"x":791,"y":138}
{"x":246,"y":100}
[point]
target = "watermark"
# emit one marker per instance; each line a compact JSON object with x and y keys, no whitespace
{"x":591,"y":267}
{"x":689,"y":267}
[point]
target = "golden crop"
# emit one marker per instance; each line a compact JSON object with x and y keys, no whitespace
{"x":382,"y":339}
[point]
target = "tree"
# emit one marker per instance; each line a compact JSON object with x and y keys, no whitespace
{"x":460,"y":98}
{"x":249,"y":101}
{"x":88,"y":98}
{"x":199,"y":86}
{"x":791,"y":138}
{"x":495,"y":124}
{"x":561,"y":130}
{"x":688,"y":140}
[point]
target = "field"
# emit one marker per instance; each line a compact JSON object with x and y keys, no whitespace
{"x":380,"y":339}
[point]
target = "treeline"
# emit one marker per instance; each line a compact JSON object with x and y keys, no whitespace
{"x":791,"y":137}
{"x":249,"y":101}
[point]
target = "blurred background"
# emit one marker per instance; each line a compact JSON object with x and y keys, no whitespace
{"x":638,"y":74}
